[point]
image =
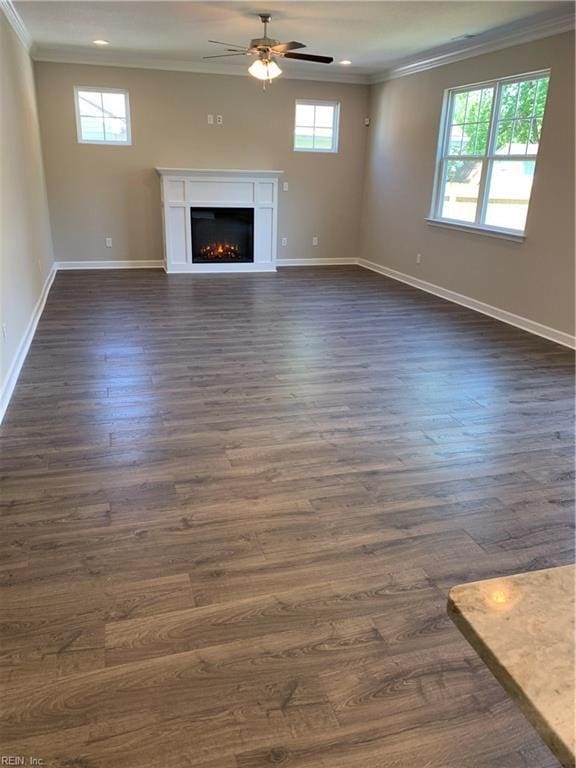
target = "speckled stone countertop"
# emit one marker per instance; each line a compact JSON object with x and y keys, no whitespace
{"x":523,"y":628}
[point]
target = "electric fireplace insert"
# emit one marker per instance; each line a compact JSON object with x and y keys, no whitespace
{"x":222,"y":235}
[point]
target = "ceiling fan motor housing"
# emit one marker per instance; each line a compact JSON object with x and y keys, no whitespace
{"x":262,"y":42}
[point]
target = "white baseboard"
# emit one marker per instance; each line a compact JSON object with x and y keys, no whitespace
{"x":65,"y":265}
{"x":538,"y":329}
{"x":24,"y":346}
{"x":315,"y":262}
{"x":518,"y":321}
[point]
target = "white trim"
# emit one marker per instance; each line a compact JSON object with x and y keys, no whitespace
{"x":503,"y":234}
{"x":20,"y":356}
{"x":15,"y":21}
{"x":145,"y":61}
{"x":335,"y":125}
{"x":538,"y":329}
{"x":524,"y":323}
{"x":217,"y":173}
{"x":315,"y":262}
{"x":9,"y":384}
{"x":102,"y":90}
{"x":207,"y":269}
{"x":531,"y":326}
{"x":545,"y":24}
{"x":124,"y":264}
{"x":487,"y":159}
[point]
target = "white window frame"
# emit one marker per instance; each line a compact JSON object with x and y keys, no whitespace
{"x":486,"y":160}
{"x":335,"y":125}
{"x":103,"y":142}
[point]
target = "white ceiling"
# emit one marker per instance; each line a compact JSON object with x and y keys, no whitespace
{"x":376,"y":36}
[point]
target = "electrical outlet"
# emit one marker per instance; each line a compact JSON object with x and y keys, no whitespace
{"x":285,"y":186}
{"x":314,"y":240}
{"x":210,"y":119}
{"x":418,"y":258}
{"x":108,"y":242}
{"x":219,"y":120}
{"x":284,"y":242}
{"x":4,"y":331}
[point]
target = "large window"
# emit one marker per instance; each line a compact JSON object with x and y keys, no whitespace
{"x":102,"y":116}
{"x":487,"y":153}
{"x":316,"y":126}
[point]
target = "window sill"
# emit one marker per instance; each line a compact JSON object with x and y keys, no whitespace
{"x":106,"y":143}
{"x":317,"y":151}
{"x":503,"y":234}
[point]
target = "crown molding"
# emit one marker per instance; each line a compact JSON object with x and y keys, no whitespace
{"x":527,"y":30}
{"x":540,"y":25}
{"x":15,"y":21}
{"x":141,"y":61}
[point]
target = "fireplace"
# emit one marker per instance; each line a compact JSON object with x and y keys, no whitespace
{"x":231,"y":213}
{"x":222,"y":235}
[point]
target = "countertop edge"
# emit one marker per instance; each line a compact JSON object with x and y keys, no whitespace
{"x":561,"y":750}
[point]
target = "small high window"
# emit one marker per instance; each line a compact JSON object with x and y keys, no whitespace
{"x":487,"y":153}
{"x":316,"y":126}
{"x":102,"y":116}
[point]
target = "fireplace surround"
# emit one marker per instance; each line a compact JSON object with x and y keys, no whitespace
{"x":219,"y":220}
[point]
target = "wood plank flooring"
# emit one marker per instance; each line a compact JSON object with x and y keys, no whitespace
{"x":232,"y":507}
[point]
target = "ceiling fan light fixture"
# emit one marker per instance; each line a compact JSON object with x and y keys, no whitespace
{"x":263,"y":69}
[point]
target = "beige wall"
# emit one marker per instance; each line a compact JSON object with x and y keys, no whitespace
{"x":534,"y":279}
{"x":97,"y":191}
{"x":25,"y":239}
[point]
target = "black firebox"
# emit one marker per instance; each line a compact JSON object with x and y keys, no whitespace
{"x":222,"y":235}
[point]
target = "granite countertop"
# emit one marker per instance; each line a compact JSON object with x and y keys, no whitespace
{"x":522,"y":627}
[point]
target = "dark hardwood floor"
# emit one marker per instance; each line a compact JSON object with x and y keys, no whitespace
{"x":232,"y":507}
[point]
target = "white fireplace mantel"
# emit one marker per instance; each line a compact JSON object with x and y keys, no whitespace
{"x":186,"y":188}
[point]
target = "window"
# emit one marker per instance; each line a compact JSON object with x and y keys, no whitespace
{"x":316,"y":126}
{"x":102,"y":117}
{"x":487,"y":153}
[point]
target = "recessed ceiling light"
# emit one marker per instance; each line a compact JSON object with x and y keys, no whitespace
{"x":345,"y":62}
{"x":100,"y":42}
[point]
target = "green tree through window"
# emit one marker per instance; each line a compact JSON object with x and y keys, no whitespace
{"x":488,"y":152}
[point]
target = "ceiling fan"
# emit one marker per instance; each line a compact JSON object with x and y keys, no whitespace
{"x":267,"y":50}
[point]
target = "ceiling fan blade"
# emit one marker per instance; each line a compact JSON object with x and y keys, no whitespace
{"x":284,"y":47}
{"x":309,"y":57}
{"x":223,"y":55}
{"x":231,"y":45}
